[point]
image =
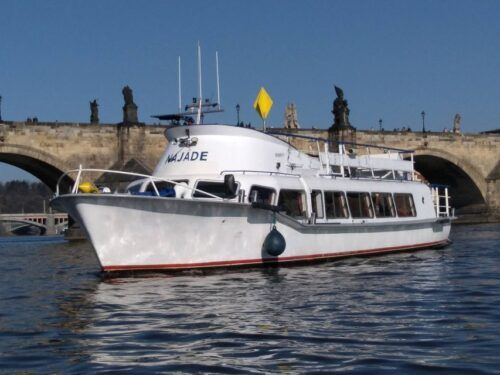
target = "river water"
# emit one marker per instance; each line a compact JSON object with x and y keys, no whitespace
{"x":428,"y":311}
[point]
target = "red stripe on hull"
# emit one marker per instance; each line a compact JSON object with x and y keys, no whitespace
{"x":242,"y":262}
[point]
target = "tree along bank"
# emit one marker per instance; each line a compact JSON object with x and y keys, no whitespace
{"x":23,"y":196}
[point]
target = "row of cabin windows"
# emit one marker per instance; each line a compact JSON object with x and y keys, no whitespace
{"x":337,"y":204}
{"x":362,"y":205}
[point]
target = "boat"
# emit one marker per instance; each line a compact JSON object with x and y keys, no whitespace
{"x":229,"y":196}
{"x":232,"y":196}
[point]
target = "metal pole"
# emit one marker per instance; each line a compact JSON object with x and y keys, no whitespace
{"x":198,"y":117}
{"x":380,"y":124}
{"x":327,"y":154}
{"x":423,"y":121}
{"x":446,"y":197}
{"x":180,"y":88}
{"x":238,"y":114}
{"x":412,"y":168}
{"x":217,"y":72}
{"x":199,"y":73}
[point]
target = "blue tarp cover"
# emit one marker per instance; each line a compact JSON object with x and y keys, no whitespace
{"x":162,"y":192}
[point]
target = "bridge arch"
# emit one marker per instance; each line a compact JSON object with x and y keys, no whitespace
{"x":467,"y":185}
{"x":40,"y":164}
{"x":41,"y":227}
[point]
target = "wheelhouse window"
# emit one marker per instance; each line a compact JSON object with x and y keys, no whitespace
{"x":293,"y":202}
{"x":165,"y":188}
{"x":317,"y":204}
{"x":383,"y":204}
{"x":405,"y":207}
{"x":160,"y":185}
{"x":360,"y":205}
{"x":261,"y":194}
{"x":336,"y":206}
{"x":212,"y":187}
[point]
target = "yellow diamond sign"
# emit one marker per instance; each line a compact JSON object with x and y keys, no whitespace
{"x":263,"y":103}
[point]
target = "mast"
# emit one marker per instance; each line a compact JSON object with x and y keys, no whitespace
{"x":200,"y":100}
{"x":217,"y":73}
{"x":180,"y":92}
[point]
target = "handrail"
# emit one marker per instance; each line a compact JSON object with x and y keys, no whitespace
{"x":399,"y":150}
{"x":243,"y":171}
{"x":152,"y":179}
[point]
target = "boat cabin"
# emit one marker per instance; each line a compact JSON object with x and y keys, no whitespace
{"x":245,"y":166}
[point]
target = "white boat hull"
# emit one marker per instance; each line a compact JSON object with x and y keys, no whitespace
{"x":145,"y":233}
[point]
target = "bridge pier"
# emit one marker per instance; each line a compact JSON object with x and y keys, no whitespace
{"x":50,"y":225}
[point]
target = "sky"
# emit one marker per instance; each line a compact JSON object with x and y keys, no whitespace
{"x":393,"y":59}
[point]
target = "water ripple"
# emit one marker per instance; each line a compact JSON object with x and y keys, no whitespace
{"x":433,"y":311}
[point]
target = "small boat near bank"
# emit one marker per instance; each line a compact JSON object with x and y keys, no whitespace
{"x":225,"y":196}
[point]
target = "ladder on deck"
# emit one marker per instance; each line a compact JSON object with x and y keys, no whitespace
{"x":441,"y":200}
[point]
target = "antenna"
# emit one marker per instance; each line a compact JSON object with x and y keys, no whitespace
{"x":200,"y":97}
{"x":199,"y":106}
{"x":217,"y":72}
{"x":180,"y":92}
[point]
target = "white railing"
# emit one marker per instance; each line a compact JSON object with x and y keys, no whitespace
{"x":376,"y":166}
{"x":391,"y":163}
{"x":151,"y":179}
{"x":248,"y":171}
{"x":441,"y":200}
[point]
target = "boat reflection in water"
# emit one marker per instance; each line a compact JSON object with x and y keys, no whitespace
{"x":301,"y":318}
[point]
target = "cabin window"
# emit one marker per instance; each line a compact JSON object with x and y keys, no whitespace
{"x":165,"y":188}
{"x":405,"y":207}
{"x":212,"y":187}
{"x":261,"y":194}
{"x":383,"y":204}
{"x":360,"y":205}
{"x":317,"y":204}
{"x":336,"y":206}
{"x":293,"y":202}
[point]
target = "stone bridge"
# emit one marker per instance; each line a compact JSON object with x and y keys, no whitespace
{"x":47,"y":149}
{"x":468,"y":163}
{"x":50,"y":223}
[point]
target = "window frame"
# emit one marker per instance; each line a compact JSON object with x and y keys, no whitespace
{"x":158,"y":183}
{"x":265,"y":187}
{"x":344,"y":209}
{"x":314,"y":206}
{"x":413,"y":208}
{"x":195,"y":191}
{"x":303,"y":215}
{"x":392,"y":204}
{"x":369,"y":200}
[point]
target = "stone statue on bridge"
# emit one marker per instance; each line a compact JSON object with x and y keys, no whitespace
{"x":291,"y":121}
{"x":130,"y":108}
{"x":341,"y":130}
{"x":340,"y":110}
{"x":456,"y":123}
{"x":94,"y":112}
